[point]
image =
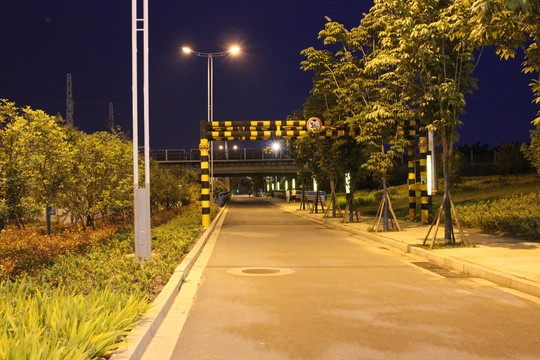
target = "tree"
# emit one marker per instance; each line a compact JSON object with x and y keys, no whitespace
{"x":509,"y":159}
{"x":172,"y":186}
{"x":362,"y":96}
{"x":431,"y":64}
{"x":100,"y":178}
{"x":532,"y":151}
{"x":35,"y":152}
{"x":49,"y":153}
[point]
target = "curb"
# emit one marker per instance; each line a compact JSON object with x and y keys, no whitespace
{"x":463,"y":266}
{"x":141,"y":335}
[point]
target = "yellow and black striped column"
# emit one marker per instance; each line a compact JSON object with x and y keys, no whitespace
{"x":205,"y":183}
{"x":424,"y":197}
{"x":410,"y":134}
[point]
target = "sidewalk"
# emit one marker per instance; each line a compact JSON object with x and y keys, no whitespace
{"x":505,"y":261}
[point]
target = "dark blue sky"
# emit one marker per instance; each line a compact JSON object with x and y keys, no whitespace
{"x":42,"y":41}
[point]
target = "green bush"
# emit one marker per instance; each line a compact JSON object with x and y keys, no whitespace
{"x":54,"y":324}
{"x":516,"y":215}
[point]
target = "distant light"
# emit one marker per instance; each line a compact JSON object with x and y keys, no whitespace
{"x":234,"y":50}
{"x":220,"y":147}
{"x":276,"y":146}
{"x":186,"y":49}
{"x":235,"y":147}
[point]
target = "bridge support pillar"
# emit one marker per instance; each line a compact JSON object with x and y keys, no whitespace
{"x":205,"y":182}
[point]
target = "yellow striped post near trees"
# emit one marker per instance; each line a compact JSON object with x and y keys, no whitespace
{"x":205,"y":183}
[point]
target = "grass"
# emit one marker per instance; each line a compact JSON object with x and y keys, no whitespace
{"x":502,"y":203}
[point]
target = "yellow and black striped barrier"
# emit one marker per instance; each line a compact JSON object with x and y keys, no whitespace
{"x":205,"y":183}
{"x":273,"y":134}
{"x":424,"y":197}
{"x":410,"y":133}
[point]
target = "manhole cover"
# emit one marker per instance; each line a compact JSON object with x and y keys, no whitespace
{"x":259,"y":271}
{"x":440,"y":270}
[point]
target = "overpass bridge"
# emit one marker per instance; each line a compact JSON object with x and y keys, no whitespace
{"x":234,"y":162}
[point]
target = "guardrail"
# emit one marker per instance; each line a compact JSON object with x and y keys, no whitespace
{"x":166,"y":155}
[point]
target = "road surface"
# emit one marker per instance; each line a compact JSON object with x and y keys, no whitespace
{"x":278,"y":286}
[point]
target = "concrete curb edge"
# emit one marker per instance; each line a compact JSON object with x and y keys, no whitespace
{"x":475,"y":270}
{"x":141,"y":335}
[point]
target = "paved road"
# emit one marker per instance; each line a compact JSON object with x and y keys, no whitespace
{"x":341,"y":297}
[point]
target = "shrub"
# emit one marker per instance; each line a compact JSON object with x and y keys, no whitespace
{"x":517,"y":215}
{"x":28,"y":251}
{"x":112,"y":263}
{"x":44,"y":324}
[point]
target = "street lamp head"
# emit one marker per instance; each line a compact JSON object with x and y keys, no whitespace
{"x":234,"y":50}
{"x":186,"y":49}
{"x":276,"y":146}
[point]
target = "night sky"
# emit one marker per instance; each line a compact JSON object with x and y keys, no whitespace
{"x":41,"y":41}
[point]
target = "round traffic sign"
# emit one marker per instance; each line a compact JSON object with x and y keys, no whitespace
{"x":314,"y":124}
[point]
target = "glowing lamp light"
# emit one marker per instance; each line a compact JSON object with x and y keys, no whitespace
{"x":276,"y":146}
{"x":429,"y":176}
{"x":348,"y":183}
{"x":186,"y":49}
{"x":234,"y":50}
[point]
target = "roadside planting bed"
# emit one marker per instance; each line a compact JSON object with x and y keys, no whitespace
{"x":75,"y":295}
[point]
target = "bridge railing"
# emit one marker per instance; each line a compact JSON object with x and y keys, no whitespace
{"x":170,"y":155}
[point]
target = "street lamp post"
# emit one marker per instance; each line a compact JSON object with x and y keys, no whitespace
{"x":210,"y":56}
{"x":141,"y":206}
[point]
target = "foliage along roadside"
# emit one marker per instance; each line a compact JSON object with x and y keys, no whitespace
{"x":492,"y":203}
{"x":45,"y":323}
{"x":518,"y":215}
{"x":80,"y":290}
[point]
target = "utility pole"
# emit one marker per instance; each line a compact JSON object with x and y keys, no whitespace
{"x":110,"y":121}
{"x":141,"y":206}
{"x":69,"y":100}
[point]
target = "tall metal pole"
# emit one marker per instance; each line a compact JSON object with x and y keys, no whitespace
{"x":210,"y":93}
{"x":141,"y":206}
{"x":146,"y":100}
{"x":210,"y":119}
{"x":134,"y":89}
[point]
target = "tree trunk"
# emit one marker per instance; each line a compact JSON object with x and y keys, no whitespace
{"x":333,"y":190}
{"x":90,"y":221}
{"x":446,"y":173}
{"x":385,"y":199}
{"x":48,"y":210}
